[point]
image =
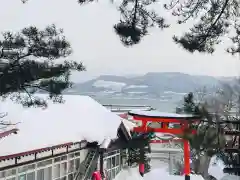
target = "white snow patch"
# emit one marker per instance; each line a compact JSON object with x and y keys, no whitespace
{"x":216,"y":168}
{"x":79,"y":118}
{"x":136,"y":92}
{"x":172,"y":92}
{"x":155,"y":174}
{"x":155,"y":113}
{"x":129,"y":174}
{"x":109,"y":84}
{"x":136,"y":86}
{"x":230,"y":177}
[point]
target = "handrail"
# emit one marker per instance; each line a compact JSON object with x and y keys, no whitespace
{"x":88,"y":168}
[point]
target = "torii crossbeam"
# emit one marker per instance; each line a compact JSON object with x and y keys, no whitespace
{"x":184,"y":120}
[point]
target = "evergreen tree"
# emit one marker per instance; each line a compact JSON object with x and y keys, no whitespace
{"x":212,"y":22}
{"x":34,"y":60}
{"x":209,"y":139}
{"x":138,"y":149}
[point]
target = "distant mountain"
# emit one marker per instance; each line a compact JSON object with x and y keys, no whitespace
{"x":152,"y":84}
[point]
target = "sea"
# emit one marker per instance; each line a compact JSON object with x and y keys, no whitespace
{"x":161,"y":105}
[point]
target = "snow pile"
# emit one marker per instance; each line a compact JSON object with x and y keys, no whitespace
{"x":161,"y":173}
{"x":79,"y":118}
{"x":230,"y":177}
{"x":216,"y":168}
{"x":129,"y":174}
{"x":154,"y":174}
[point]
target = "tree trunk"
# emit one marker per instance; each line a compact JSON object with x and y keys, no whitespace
{"x":201,"y":165}
{"x":204,"y":165}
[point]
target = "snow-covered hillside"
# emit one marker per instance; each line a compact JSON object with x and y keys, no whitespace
{"x":117,"y":86}
{"x":136,"y":86}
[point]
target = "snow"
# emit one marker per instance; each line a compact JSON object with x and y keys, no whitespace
{"x":129,"y":174}
{"x":176,"y":93}
{"x":128,"y":124}
{"x":136,"y":86}
{"x":79,"y":118}
{"x":230,"y":177}
{"x":160,"y":114}
{"x":154,"y":174}
{"x":137,"y":92}
{"x":158,"y":173}
{"x":109,"y":84}
{"x":216,"y":168}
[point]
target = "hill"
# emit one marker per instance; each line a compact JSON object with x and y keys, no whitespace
{"x":152,"y":84}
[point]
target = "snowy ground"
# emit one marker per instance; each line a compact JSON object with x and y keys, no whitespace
{"x":155,"y":174}
{"x":160,"y":171}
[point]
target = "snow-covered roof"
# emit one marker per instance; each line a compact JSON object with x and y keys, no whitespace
{"x":158,"y":114}
{"x":79,"y":118}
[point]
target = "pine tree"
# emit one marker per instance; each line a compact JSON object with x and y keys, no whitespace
{"x":34,"y":60}
{"x":138,"y":150}
{"x":208,"y":141}
{"x":212,"y":21}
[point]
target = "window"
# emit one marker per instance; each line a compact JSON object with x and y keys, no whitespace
{"x":40,"y":174}
{"x":59,"y":168}
{"x":77,"y":164}
{"x":48,"y":173}
{"x":117,"y":160}
{"x":108,"y":163}
{"x":22,"y":169}
{"x":2,"y":174}
{"x":45,"y":163}
{"x":117,"y":170}
{"x":70,"y":177}
{"x":109,"y":175}
{"x":31,"y":166}
{"x":13,"y":178}
{"x":63,"y":168}
{"x":63,"y":158}
{"x":113,"y":173}
{"x":57,"y":159}
{"x":71,"y":166}
{"x":77,"y":154}
{"x":64,"y":178}
{"x":31,"y":176}
{"x":113,"y":161}
{"x":10,"y":172}
{"x":22,"y":177}
{"x":56,"y":171}
{"x":70,"y":156}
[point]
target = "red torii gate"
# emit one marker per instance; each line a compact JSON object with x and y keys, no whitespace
{"x":184,"y":120}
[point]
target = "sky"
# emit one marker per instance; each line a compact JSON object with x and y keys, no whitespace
{"x":89,"y":29}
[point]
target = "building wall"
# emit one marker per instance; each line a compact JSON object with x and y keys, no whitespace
{"x":113,"y":163}
{"x":58,"y":168}
{"x":61,"y":166}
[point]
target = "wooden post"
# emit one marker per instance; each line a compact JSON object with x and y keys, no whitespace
{"x":186,"y":159}
{"x":186,"y":149}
